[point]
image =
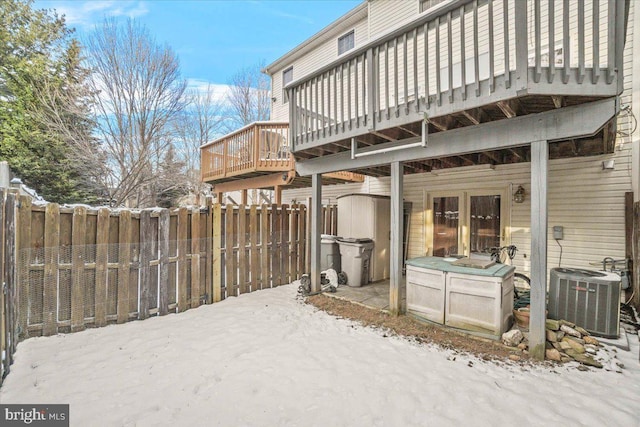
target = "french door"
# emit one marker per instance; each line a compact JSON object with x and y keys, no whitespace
{"x":466,"y":222}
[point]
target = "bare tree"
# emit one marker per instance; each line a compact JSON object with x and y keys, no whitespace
{"x":249,"y":97}
{"x":62,"y":106}
{"x":200,"y":122}
{"x":138,"y":92}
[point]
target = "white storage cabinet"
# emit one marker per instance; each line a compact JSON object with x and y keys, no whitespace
{"x":472,"y":299}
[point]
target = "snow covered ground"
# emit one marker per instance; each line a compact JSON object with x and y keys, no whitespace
{"x":266,"y":359}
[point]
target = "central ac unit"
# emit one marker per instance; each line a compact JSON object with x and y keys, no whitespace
{"x":590,"y":299}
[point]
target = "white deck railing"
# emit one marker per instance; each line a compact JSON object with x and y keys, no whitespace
{"x":459,"y":56}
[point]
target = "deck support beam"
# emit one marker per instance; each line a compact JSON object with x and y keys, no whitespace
{"x":539,"y":213}
{"x":316,"y":220}
{"x":554,"y":125}
{"x":266,"y":181}
{"x":395,"y":255}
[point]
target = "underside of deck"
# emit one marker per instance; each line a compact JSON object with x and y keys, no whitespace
{"x":602,"y":142}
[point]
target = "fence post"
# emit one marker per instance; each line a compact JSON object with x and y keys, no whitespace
{"x":78,"y":230}
{"x":217,"y":259}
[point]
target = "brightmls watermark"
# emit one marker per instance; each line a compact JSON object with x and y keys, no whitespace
{"x":34,"y":415}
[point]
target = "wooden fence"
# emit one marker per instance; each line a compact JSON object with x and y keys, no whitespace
{"x":68,"y":268}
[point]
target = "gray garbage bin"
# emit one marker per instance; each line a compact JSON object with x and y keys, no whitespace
{"x":329,"y":253}
{"x":356,"y":258}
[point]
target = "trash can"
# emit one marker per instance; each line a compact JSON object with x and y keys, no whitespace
{"x":329,"y":253}
{"x":356,"y":258}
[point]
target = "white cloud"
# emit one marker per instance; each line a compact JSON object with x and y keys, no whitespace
{"x":220,"y":91}
{"x":88,"y":13}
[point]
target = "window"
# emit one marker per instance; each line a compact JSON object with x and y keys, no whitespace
{"x":466,"y":223}
{"x":287,"y":77}
{"x":346,"y":42}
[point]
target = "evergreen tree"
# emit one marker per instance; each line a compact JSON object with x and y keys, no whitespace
{"x":44,"y":103}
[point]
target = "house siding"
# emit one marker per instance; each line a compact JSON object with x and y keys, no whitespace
{"x":384,"y":14}
{"x":586,"y":200}
{"x":325,"y":53}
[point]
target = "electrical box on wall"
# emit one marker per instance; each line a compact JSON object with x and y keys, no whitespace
{"x":558,"y":232}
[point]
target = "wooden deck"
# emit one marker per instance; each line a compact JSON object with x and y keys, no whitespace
{"x":463,"y":64}
{"x":257,"y":156}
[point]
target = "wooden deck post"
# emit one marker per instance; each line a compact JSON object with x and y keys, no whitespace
{"x":539,"y":181}
{"x":316,"y":221}
{"x":278,"y":191}
{"x":396,"y":237}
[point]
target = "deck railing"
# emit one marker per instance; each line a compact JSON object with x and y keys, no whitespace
{"x":260,"y":146}
{"x":458,"y":56}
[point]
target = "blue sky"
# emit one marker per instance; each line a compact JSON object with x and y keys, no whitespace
{"x":214,"y":39}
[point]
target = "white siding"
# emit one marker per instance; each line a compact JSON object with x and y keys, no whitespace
{"x":385,"y":14}
{"x":588,"y":201}
{"x":322,"y":55}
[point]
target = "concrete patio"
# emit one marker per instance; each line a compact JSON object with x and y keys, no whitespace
{"x":373,"y":295}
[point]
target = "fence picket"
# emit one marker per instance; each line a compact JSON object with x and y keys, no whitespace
{"x":242,"y":250}
{"x":208,"y":280}
{"x":9,"y":273}
{"x":196,"y":291}
{"x":293,"y":241}
{"x":124,"y":265}
{"x":229,"y":255}
{"x":254,"y":256}
{"x":284,"y":244}
{"x":264,"y":248}
{"x":183,"y":219}
{"x":163,"y":249}
{"x":145,"y":264}
{"x":302,"y":241}
{"x":4,"y":303}
{"x":217,"y":255}
{"x":24,"y":260}
{"x":78,"y":228}
{"x":102,"y":258}
{"x":51,"y":253}
{"x":275,"y":245}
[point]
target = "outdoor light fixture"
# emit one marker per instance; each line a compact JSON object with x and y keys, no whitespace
{"x":518,"y":196}
{"x":608,"y":165}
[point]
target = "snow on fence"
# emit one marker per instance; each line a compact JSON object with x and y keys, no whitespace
{"x":65,"y":269}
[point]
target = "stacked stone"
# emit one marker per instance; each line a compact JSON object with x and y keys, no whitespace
{"x":565,"y":342}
